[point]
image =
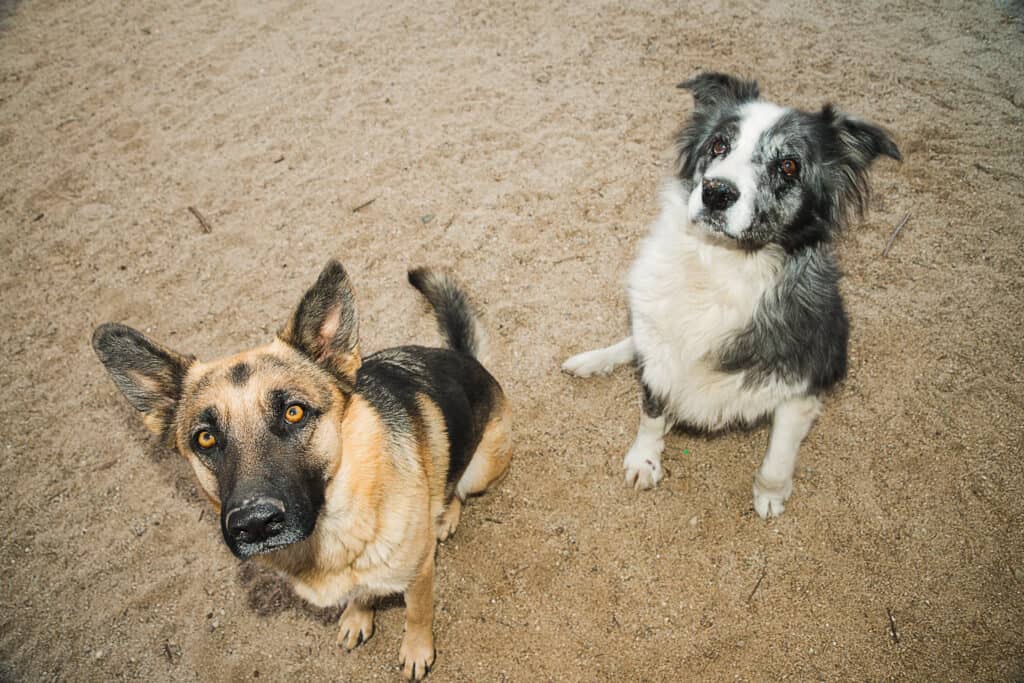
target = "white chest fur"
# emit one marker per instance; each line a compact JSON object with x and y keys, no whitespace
{"x":689,"y":293}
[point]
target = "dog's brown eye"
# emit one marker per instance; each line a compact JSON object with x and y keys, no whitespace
{"x":206,"y":440}
{"x":719,"y":147}
{"x":789,"y":167}
{"x":294,"y":413}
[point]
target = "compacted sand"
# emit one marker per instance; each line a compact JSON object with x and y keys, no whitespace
{"x":521,"y":145}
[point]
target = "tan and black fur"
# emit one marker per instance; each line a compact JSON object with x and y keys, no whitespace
{"x":340,"y":472}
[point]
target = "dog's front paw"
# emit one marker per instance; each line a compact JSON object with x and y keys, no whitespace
{"x":355,"y":626}
{"x":417,"y":654}
{"x":770,"y":498}
{"x":643,"y":468}
{"x":589,"y":363}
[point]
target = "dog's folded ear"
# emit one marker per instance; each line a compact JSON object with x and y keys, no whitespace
{"x":712,"y":90}
{"x":862,"y":142}
{"x":148,"y":374}
{"x":324,"y":326}
{"x":859,"y":143}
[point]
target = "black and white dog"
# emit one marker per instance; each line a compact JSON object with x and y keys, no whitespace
{"x":734,"y":297}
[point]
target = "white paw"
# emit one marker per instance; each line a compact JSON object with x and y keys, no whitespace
{"x":769,"y":500}
{"x":643,"y":468}
{"x":589,"y":363}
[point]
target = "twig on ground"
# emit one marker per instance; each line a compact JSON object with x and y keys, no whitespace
{"x":364,"y":205}
{"x":895,"y":233}
{"x":574,"y":257}
{"x":203,"y":223}
{"x":996,"y":171}
{"x":892,"y":627}
{"x":764,"y":572}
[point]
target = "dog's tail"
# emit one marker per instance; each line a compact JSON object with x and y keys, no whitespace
{"x":457,"y":318}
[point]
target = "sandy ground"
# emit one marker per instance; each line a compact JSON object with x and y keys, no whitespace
{"x":522,"y":145}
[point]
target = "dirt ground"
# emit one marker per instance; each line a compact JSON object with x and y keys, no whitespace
{"x":520,"y":144}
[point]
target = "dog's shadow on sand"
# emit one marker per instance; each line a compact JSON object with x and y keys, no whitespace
{"x":268,"y":595}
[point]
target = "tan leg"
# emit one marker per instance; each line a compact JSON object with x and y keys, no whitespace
{"x":492,"y":455}
{"x":356,"y":624}
{"x":450,"y":519}
{"x":417,"y":653}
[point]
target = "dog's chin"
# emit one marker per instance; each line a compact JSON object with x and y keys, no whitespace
{"x":712,"y":227}
{"x":287,"y":537}
{"x":714,"y":230}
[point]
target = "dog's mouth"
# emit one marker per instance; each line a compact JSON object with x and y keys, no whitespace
{"x":243,"y":550}
{"x":714,"y":229}
{"x":713,"y":224}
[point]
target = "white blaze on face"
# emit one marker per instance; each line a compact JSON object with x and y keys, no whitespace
{"x":738,"y":168}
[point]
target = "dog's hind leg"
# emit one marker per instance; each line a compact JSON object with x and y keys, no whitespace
{"x":773,"y":481}
{"x":489,"y":462}
{"x":643,"y":460}
{"x":601,"y":361}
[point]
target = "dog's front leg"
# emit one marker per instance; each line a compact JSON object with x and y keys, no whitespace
{"x":643,"y":461}
{"x":356,"y":624}
{"x":417,"y":653}
{"x":601,"y":361}
{"x":773,"y":481}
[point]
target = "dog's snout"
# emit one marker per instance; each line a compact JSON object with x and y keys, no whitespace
{"x":718,"y":194}
{"x":255,"y":521}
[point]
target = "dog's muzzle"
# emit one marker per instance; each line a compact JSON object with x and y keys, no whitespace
{"x":259,"y":525}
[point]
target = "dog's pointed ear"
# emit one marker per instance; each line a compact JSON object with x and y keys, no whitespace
{"x":712,"y":90}
{"x":148,"y":374}
{"x":861,"y":142}
{"x":324,"y":326}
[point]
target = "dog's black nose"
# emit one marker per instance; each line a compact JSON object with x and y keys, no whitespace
{"x":718,"y":194}
{"x":256,"y":521}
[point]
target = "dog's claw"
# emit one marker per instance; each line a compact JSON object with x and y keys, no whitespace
{"x":356,"y":626}
{"x":416,"y":657}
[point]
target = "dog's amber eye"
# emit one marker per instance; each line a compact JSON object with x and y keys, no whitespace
{"x":294,"y":413}
{"x":206,"y":440}
{"x":789,"y":167}
{"x":719,"y":147}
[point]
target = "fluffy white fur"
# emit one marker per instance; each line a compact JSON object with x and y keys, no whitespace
{"x":689,"y":291}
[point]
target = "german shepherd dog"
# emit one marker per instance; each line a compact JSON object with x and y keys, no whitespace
{"x":339,"y":472}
